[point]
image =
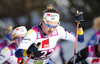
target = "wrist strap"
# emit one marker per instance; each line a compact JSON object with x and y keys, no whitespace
{"x":25,"y":52}
{"x":80,"y":25}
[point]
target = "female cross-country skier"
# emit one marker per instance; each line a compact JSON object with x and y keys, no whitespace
{"x":48,"y":33}
{"x":90,"y":54}
{"x":8,"y":39}
{"x":95,"y":37}
{"x":8,"y":52}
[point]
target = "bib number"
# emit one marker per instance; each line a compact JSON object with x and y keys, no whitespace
{"x":45,"y":54}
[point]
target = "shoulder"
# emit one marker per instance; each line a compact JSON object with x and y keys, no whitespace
{"x":3,"y":44}
{"x":33,"y":29}
{"x":12,"y":46}
{"x":60,"y":28}
{"x":5,"y":49}
{"x":30,"y":33}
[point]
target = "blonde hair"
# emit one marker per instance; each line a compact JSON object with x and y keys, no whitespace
{"x":50,"y":9}
{"x":96,"y":23}
{"x":9,"y":30}
{"x":50,"y":6}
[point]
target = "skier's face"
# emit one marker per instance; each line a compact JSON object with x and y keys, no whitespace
{"x":49,"y":27}
{"x":19,"y":38}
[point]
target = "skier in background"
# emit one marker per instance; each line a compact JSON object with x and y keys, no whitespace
{"x":8,"y":53}
{"x":90,"y":54}
{"x":8,"y":39}
{"x":94,"y":38}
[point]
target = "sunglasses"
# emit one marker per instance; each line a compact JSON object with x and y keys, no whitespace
{"x":49,"y":25}
{"x":19,"y":39}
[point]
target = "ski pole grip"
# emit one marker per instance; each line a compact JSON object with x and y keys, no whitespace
{"x":38,"y":44}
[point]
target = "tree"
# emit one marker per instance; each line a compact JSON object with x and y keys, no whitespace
{"x":16,"y":8}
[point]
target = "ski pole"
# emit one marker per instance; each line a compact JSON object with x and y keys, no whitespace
{"x":76,"y":40}
{"x":29,"y":58}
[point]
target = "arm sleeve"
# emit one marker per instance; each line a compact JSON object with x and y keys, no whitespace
{"x":4,"y":54}
{"x":25,"y":43}
{"x":80,"y":36}
{"x":83,"y":54}
{"x":67,"y":35}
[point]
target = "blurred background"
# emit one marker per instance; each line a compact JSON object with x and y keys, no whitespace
{"x":29,"y":13}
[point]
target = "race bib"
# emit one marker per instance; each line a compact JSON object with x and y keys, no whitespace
{"x":38,"y":62}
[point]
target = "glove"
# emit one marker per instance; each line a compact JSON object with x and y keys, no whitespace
{"x":33,"y":48}
{"x":79,"y":16}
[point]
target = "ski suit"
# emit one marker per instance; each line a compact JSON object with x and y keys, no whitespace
{"x":48,"y":43}
{"x":89,"y":54}
{"x":8,"y":55}
{"x":94,"y":39}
